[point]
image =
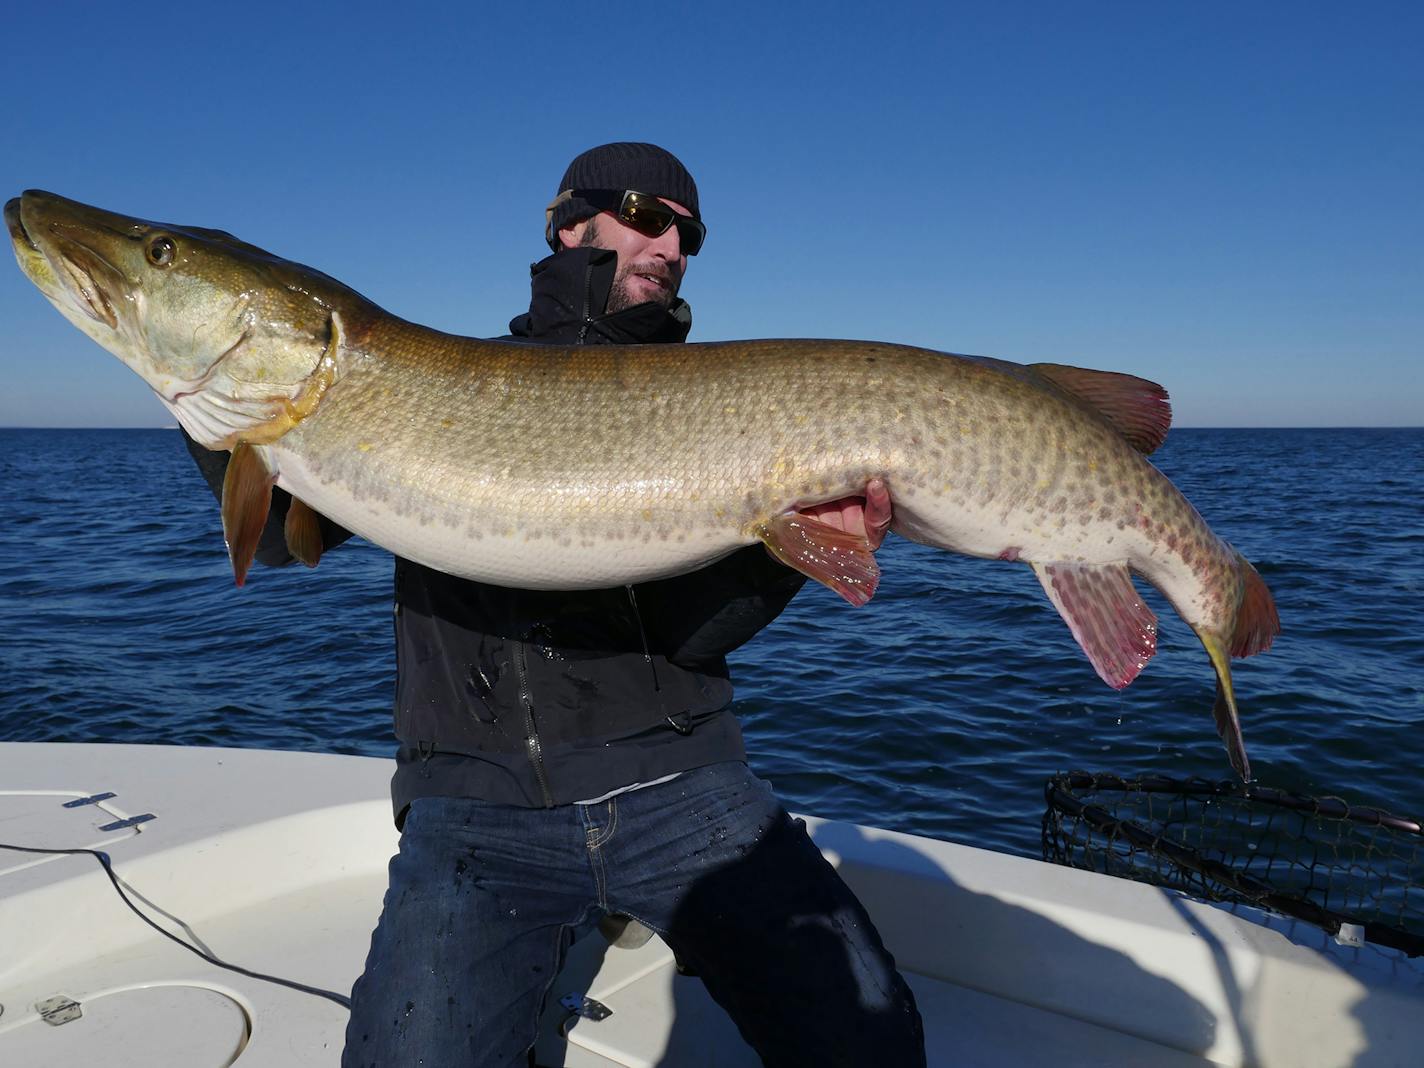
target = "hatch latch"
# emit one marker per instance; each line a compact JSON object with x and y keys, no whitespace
{"x":581,"y":1006}
{"x":58,"y":1010}
{"x":92,"y":799}
{"x":132,"y":821}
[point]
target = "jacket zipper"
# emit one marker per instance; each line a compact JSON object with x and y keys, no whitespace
{"x":521,"y":664}
{"x":587,"y":319}
{"x":531,"y":731}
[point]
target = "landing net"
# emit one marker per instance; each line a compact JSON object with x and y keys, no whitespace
{"x":1317,"y":859}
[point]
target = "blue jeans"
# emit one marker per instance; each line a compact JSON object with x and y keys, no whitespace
{"x":485,"y":899}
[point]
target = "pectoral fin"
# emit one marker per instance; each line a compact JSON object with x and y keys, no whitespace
{"x":831,"y":556}
{"x":246,"y":500}
{"x":1105,"y":613}
{"x":303,"y":531}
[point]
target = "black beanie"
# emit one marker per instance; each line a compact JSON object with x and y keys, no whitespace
{"x":616,"y":167}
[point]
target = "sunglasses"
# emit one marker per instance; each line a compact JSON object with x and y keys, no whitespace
{"x":648,"y":215}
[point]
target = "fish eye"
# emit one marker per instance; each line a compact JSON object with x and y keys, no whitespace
{"x":161,"y":251}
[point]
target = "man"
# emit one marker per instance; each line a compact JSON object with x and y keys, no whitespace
{"x":569,"y":757}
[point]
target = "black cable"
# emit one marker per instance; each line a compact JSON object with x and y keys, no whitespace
{"x":104,"y":861}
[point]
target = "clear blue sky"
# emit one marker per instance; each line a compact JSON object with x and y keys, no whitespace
{"x":1226,"y":198}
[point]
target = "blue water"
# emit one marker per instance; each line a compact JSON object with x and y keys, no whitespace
{"x":940,"y":708}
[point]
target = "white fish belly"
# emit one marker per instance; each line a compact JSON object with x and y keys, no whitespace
{"x":1181,"y":557}
{"x":515,"y":554}
{"x":997,"y":531}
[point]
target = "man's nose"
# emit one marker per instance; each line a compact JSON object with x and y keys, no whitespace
{"x":668,"y":244}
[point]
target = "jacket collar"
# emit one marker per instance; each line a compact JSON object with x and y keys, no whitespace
{"x":569,"y":294}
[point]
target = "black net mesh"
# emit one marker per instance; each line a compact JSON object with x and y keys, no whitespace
{"x":1318,"y":859}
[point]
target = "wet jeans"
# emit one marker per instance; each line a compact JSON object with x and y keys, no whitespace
{"x":484,"y":900}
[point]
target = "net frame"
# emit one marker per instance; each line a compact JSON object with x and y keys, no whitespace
{"x":1329,"y":863}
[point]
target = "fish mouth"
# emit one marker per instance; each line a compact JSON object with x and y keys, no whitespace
{"x":15,"y":223}
{"x":49,"y":244}
{"x":90,"y":276}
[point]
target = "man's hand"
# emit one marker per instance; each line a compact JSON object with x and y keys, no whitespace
{"x":867,"y":516}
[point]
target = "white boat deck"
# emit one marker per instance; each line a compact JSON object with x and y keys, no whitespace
{"x":276,"y":862}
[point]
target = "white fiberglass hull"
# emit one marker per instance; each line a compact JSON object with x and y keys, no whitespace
{"x":276,"y":862}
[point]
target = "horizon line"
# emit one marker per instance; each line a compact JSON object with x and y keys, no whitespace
{"x":1186,"y":426}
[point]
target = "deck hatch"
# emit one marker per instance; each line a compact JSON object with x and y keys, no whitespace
{"x":45,"y":819}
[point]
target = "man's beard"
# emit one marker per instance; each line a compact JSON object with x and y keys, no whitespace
{"x":620,"y":296}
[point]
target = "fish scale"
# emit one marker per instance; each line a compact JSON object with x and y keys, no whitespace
{"x":678,"y":449}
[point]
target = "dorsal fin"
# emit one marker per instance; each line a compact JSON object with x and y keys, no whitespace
{"x":1134,"y":407}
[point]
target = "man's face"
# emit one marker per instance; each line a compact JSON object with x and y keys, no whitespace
{"x":649,"y":268}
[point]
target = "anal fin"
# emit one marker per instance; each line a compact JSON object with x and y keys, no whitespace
{"x":246,"y":500}
{"x":1106,"y":615}
{"x":831,"y":556}
{"x":303,"y":532}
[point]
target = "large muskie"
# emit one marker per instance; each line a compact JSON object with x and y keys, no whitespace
{"x":554,"y":468}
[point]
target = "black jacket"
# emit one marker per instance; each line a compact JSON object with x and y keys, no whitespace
{"x":533,"y":697}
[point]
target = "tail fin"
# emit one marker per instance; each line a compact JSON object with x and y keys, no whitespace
{"x":1257,"y":623}
{"x":1228,"y":727}
{"x":1256,"y":626}
{"x":1228,"y":720}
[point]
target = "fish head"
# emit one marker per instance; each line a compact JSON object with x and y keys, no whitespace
{"x":232,"y":339}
